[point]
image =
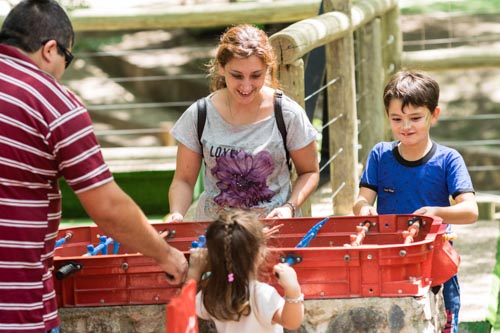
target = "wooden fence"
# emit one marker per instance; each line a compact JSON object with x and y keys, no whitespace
{"x":363,"y":47}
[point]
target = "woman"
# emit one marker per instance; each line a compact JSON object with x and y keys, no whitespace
{"x":241,"y":145}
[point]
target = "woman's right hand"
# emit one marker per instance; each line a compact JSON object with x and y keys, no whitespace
{"x":174,"y":217}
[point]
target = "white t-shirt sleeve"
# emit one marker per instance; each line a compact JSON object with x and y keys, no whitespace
{"x":268,"y":301}
{"x":200,"y":309}
{"x":185,"y":129}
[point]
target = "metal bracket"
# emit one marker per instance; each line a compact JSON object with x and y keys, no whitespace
{"x":291,"y":259}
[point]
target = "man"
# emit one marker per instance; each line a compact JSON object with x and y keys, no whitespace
{"x":46,"y":133}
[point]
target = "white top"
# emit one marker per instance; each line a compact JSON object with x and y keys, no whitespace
{"x":264,"y":301}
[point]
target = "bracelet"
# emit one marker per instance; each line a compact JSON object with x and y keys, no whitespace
{"x":292,"y":206}
{"x":299,"y":299}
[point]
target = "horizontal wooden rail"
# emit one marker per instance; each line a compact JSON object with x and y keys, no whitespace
{"x":363,"y":11}
{"x":453,"y":58}
{"x":296,"y":40}
{"x":195,"y":16}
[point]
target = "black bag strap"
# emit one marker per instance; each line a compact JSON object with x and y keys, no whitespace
{"x":278,"y":114}
{"x":202,"y":117}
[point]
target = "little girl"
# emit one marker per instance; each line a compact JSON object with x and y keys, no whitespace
{"x":231,"y":296}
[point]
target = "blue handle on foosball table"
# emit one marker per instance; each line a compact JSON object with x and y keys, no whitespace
{"x":304,"y":242}
{"x":201,"y":242}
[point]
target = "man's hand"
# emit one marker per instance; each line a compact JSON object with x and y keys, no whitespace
{"x":175,"y":266}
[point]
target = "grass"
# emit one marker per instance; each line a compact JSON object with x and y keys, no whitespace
{"x":495,"y":312}
{"x":78,"y":222}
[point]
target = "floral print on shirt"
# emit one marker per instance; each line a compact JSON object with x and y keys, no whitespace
{"x":242,"y":179}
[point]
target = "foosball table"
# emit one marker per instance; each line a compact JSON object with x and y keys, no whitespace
{"x":334,"y":257}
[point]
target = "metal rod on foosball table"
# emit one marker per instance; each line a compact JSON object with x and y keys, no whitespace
{"x":362,"y":230}
{"x":413,"y":229}
{"x":64,"y":239}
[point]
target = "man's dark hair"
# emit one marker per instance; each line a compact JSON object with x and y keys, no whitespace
{"x":33,"y":22}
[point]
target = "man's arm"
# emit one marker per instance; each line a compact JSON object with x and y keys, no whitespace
{"x":120,"y":217}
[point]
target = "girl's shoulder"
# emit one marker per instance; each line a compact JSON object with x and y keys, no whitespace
{"x":263,"y":289}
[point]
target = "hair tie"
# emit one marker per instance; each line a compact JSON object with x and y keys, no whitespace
{"x":230,"y":277}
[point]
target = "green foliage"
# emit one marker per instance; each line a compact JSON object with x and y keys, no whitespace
{"x":93,"y":42}
{"x":450,"y":6}
{"x":70,"y":5}
{"x":475,"y":327}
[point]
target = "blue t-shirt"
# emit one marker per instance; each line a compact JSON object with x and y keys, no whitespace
{"x":404,"y":186}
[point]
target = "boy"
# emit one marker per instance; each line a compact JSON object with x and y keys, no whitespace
{"x":414,"y":175}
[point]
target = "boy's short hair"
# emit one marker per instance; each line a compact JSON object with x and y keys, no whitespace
{"x":412,"y":88}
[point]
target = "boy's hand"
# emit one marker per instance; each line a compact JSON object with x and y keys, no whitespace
{"x":368,"y":211}
{"x":428,"y":211}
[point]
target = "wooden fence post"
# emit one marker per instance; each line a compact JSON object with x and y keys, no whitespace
{"x":370,"y":83}
{"x":291,"y":78}
{"x":342,"y":105}
{"x":393,"y":48}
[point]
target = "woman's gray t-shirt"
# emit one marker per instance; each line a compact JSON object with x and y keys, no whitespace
{"x":245,"y":166}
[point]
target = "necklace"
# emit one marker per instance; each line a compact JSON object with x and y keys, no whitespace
{"x":253,"y":114}
{"x":229,"y":106}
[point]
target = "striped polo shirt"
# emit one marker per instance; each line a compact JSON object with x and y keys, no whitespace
{"x":45,"y":133}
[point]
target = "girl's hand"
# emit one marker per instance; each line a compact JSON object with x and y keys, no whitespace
{"x":198,"y":263}
{"x":287,"y":278}
{"x":270,"y":231}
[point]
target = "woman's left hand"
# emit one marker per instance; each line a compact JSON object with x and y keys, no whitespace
{"x":283,"y":212}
